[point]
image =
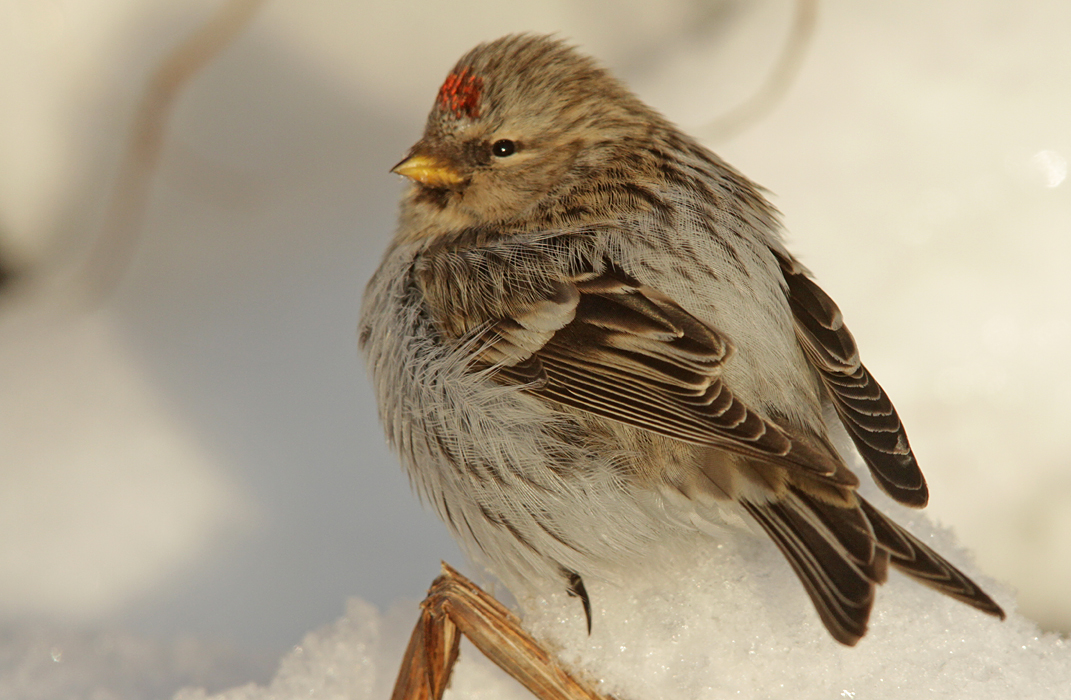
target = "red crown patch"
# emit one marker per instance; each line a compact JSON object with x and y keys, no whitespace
{"x":460,"y":94}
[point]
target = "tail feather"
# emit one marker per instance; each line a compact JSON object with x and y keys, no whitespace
{"x":841,"y":552}
{"x":925,"y":565}
{"x":841,"y":592}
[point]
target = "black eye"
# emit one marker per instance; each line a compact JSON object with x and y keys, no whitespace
{"x":503,"y":148}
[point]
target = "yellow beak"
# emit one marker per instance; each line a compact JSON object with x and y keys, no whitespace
{"x":427,"y":171}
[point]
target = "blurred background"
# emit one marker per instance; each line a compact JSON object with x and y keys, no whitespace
{"x":192,"y":465}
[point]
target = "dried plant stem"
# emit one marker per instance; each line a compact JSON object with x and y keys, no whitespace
{"x":117,"y":241}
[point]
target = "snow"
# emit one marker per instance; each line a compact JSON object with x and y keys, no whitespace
{"x":756,"y":636}
{"x":194,"y":476}
{"x":718,"y":619}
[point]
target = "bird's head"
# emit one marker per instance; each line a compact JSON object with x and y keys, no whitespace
{"x":516,"y":121}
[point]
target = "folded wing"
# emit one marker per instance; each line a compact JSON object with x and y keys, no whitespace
{"x":861,"y":403}
{"x":618,"y":349}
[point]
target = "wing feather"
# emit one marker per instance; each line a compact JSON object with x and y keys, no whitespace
{"x":629,"y":353}
{"x":861,"y":403}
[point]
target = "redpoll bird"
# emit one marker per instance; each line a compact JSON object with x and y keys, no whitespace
{"x":587,"y":334}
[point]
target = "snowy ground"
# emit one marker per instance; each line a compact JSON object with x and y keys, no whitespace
{"x":193,"y":473}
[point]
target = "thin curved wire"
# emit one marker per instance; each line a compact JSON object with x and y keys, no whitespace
{"x":777,"y":83}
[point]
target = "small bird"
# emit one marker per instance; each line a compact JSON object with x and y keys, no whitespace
{"x":587,"y":335}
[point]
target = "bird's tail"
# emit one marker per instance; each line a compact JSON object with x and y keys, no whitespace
{"x":840,"y":553}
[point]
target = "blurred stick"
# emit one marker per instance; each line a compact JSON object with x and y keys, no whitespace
{"x":784,"y":73}
{"x":115,"y":245}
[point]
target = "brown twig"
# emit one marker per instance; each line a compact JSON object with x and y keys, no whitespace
{"x":456,"y":606}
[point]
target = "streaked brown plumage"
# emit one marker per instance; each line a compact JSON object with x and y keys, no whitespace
{"x":587,"y":320}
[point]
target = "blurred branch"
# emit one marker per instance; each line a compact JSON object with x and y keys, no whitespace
{"x":784,"y":73}
{"x":7,"y":273}
{"x":114,"y":248}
